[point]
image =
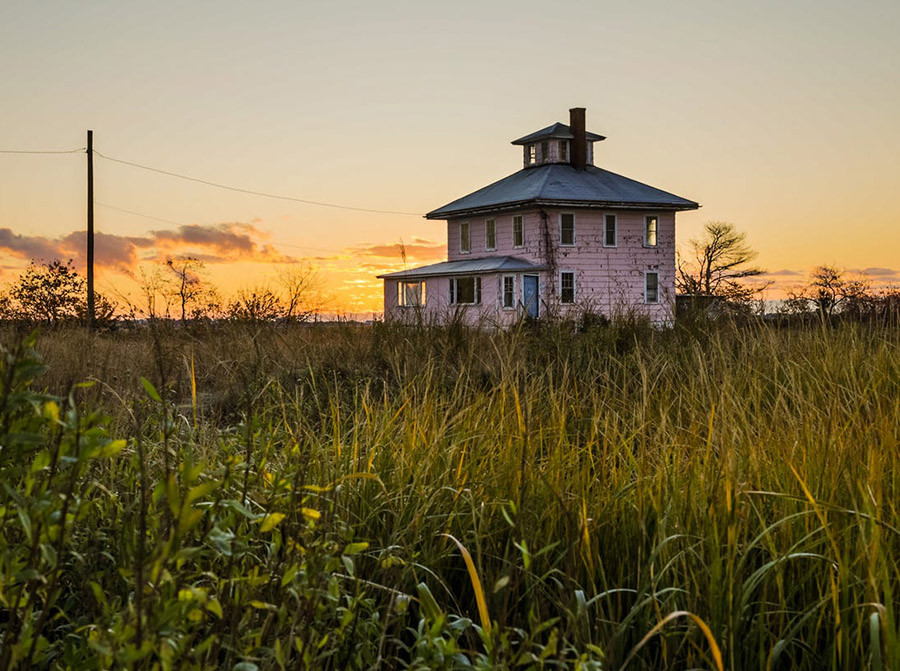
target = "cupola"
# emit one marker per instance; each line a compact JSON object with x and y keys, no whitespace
{"x":560,"y":143}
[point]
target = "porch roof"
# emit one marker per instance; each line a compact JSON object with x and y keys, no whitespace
{"x":487,"y":264}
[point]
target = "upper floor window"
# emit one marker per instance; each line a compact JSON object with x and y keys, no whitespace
{"x":609,"y":230}
{"x":567,"y":287}
{"x":651,"y":230}
{"x":567,"y":229}
{"x":532,"y":154}
{"x":545,"y":151}
{"x":465,"y":290}
{"x":509,"y":292}
{"x":518,"y":232}
{"x":490,"y":235}
{"x":411,"y":294}
{"x":465,"y":238}
{"x":563,"y":150}
{"x":651,"y":286}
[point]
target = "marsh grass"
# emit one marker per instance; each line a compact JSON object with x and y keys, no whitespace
{"x":364,"y":497}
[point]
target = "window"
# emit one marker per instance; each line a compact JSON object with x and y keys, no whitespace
{"x":545,"y":151}
{"x":532,"y":154}
{"x":563,"y":150}
{"x":567,"y":287}
{"x":518,"y":232}
{"x":509,"y":292}
{"x":490,"y":234}
{"x":651,"y":286}
{"x":411,"y":294}
{"x":609,"y":230}
{"x":567,"y":229}
{"x":465,"y":290}
{"x":465,"y":240}
{"x":651,"y":230}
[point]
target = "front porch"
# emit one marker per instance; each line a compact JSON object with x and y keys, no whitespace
{"x":497,"y":290}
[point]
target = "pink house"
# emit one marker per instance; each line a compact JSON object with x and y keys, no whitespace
{"x":557,"y":238}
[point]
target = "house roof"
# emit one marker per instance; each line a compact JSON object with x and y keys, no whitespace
{"x":560,"y":184}
{"x":487,"y":264}
{"x":558,"y":131}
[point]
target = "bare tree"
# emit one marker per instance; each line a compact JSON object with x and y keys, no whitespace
{"x":259,"y":304}
{"x":300,"y":292}
{"x":152,"y":287}
{"x":716,"y":265}
{"x":830,"y":290}
{"x":187,"y":287}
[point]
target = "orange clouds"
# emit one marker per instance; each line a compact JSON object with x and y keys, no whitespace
{"x":421,"y":250}
{"x":348,"y":276}
{"x":215,"y":243}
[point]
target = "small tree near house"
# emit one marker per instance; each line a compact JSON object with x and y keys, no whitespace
{"x":716,"y":266}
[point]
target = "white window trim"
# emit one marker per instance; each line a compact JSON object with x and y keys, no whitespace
{"x":658,"y":221}
{"x":486,"y":247}
{"x":469,"y":226}
{"x":574,"y":230}
{"x":503,"y":293}
{"x":616,"y":232}
{"x":522,"y":219}
{"x":651,"y":272}
{"x":423,"y":297}
{"x":574,"y":285}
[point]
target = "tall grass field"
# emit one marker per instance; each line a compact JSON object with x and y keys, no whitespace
{"x":366,"y":497}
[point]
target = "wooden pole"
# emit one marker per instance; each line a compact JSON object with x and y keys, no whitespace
{"x":90,"y":230}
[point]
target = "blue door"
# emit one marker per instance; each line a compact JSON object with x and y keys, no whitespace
{"x":530,"y":295}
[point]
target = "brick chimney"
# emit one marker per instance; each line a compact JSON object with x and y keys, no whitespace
{"x":579,"y":143}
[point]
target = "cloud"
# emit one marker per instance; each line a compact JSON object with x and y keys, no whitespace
{"x":881,"y":273}
{"x":28,"y":246}
{"x":421,"y":250}
{"x":215,"y":243}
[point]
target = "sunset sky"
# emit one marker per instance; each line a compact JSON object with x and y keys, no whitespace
{"x":782,"y":117}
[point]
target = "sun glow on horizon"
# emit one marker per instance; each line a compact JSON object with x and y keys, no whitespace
{"x":777,"y":117}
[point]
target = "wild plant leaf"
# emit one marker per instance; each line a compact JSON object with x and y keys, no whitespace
{"x":221,"y":540}
{"x":310,"y":513}
{"x":355,"y":548}
{"x":151,"y":390}
{"x":270,"y":521}
{"x":189,"y":518}
{"x":111,"y":449}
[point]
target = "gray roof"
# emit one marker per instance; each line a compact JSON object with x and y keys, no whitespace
{"x":487,"y":264}
{"x":557,"y":130}
{"x":560,"y":184}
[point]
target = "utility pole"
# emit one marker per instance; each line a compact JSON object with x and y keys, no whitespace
{"x":90,"y":230}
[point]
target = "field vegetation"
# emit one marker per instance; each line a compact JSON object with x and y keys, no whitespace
{"x":257,"y":496}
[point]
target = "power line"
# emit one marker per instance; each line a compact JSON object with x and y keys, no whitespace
{"x":181,"y":223}
{"x":32,"y":151}
{"x":139,"y":214}
{"x":254,"y":193}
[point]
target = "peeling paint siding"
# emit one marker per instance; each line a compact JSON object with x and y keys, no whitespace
{"x":437,"y":302}
{"x":503,"y":225}
{"x":609,"y":280}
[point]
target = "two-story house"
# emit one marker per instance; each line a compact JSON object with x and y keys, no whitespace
{"x":559,"y":237}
